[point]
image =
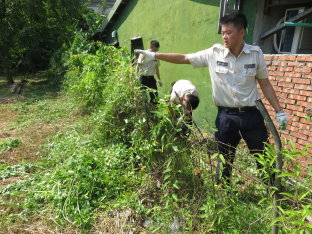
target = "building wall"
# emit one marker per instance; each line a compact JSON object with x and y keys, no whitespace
{"x":292,"y":80}
{"x":182,"y":26}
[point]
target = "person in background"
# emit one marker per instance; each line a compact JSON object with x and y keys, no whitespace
{"x":235,"y":69}
{"x":147,"y":69}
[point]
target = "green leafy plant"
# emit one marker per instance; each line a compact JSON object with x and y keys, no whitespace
{"x":8,"y":144}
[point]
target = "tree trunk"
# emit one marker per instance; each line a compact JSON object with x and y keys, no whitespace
{"x":9,"y":76}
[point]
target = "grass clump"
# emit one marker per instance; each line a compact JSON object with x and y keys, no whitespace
{"x":8,"y":144}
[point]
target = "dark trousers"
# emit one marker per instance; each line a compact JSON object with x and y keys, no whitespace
{"x":150,"y":82}
{"x":234,"y":125}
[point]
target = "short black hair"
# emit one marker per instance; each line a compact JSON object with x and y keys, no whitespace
{"x":236,"y":18}
{"x":155,"y":43}
{"x":192,"y":100}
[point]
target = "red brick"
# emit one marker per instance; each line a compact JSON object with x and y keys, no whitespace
{"x":292,"y":64}
{"x":294,"y":107}
{"x":309,"y":64}
{"x":288,"y":79}
{"x":277,"y":88}
{"x":305,"y":121}
{"x":309,"y":99}
{"x":289,"y":112}
{"x":293,"y":130}
{"x":304,"y":58}
{"x":307,"y":93}
{"x":274,"y":83}
{"x":294,"y":91}
{"x":300,"y":125}
{"x":301,"y":64}
{"x":286,"y":85}
{"x":302,"y":142}
{"x":302,"y":87}
{"x":302,"y":103}
{"x":309,"y":76}
{"x":304,"y":70}
{"x":293,"y":74}
{"x":280,"y":78}
{"x":295,"y":118}
{"x":291,"y":58}
{"x":276,"y":73}
{"x":289,"y":137}
{"x":300,"y":114}
{"x":297,"y":97}
{"x":299,"y":135}
{"x":268,"y":57}
{"x":289,"y":69}
{"x":276,"y":63}
{"x":279,"y":63}
{"x":282,"y":95}
{"x":301,"y":81}
{"x":307,"y":132}
{"x":290,"y":101}
{"x":286,"y":131}
{"x":271,"y":68}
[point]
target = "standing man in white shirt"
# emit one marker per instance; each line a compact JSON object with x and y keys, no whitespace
{"x":148,"y":69}
{"x":235,"y":69}
{"x":185,"y":93}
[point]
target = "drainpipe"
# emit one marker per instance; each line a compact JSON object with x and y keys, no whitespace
{"x":278,"y":162}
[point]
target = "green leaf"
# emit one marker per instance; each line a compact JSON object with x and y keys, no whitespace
{"x":175,"y":197}
{"x":176,"y":186}
{"x":286,"y":174}
{"x":288,"y":195}
{"x":222,"y":158}
{"x":303,"y":195}
{"x":214,"y":156}
{"x":175,"y":148}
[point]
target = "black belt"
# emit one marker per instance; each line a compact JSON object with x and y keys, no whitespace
{"x":237,"y":109}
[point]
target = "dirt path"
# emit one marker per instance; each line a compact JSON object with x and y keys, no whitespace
{"x":31,"y":137}
{"x":21,"y":118}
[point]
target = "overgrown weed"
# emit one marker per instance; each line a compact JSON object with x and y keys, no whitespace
{"x":127,"y":161}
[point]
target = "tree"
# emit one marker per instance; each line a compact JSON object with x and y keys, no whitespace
{"x":32,"y":30}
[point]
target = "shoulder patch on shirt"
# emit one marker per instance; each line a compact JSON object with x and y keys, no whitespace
{"x":254,"y":48}
{"x":248,"y":66}
{"x":223,"y":64}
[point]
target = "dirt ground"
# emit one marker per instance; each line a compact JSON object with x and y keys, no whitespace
{"x":32,"y":137}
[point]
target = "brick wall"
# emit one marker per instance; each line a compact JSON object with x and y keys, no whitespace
{"x":291,"y":77}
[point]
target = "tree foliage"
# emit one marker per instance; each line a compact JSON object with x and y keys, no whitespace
{"x":32,"y":30}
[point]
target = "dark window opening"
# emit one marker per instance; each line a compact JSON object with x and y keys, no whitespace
{"x":136,"y":43}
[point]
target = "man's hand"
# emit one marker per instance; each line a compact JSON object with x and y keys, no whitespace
{"x":160,"y":83}
{"x":282,"y":119}
{"x":148,"y":55}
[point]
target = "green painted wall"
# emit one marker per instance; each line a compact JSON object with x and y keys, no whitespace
{"x":249,"y":8}
{"x":181,"y":26}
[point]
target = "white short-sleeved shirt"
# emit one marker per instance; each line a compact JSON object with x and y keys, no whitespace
{"x":180,"y":88}
{"x":233,"y":78}
{"x":148,"y":68}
